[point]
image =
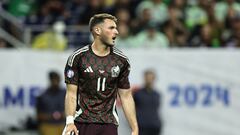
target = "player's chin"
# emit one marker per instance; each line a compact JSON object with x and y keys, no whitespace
{"x":109,"y":45}
{"x":112,"y":43}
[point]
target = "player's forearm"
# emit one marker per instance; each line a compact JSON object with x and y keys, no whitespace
{"x":70,"y":100}
{"x":129,"y":110}
{"x":70,"y":105}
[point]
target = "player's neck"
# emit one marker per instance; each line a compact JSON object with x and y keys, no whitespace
{"x":100,"y":49}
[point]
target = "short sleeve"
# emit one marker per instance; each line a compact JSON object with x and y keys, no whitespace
{"x":71,"y":70}
{"x":123,"y":82}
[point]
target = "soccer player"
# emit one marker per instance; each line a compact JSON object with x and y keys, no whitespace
{"x":95,"y":75}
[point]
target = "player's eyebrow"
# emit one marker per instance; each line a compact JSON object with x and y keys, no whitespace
{"x":112,"y":27}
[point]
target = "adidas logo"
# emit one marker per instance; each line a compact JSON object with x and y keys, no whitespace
{"x":88,"y":69}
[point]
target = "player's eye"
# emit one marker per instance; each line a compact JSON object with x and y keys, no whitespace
{"x":112,"y":27}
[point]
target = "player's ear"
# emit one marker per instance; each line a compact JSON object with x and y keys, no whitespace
{"x":97,"y":30}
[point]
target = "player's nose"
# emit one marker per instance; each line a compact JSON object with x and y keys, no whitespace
{"x":116,"y":32}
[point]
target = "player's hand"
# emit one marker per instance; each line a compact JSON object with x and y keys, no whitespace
{"x":71,"y":128}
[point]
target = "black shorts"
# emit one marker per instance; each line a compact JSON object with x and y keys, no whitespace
{"x":96,"y":129}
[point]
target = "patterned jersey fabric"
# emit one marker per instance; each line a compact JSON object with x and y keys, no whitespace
{"x":98,"y":79}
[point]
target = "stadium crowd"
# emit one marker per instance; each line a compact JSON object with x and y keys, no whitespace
{"x":141,"y":23}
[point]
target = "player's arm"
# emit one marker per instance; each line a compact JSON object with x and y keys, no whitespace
{"x":71,"y":79}
{"x":70,"y":107}
{"x":129,"y":109}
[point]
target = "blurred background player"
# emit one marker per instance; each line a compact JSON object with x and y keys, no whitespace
{"x":147,"y":101}
{"x":50,"y":107}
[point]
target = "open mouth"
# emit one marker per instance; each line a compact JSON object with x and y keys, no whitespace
{"x":113,"y":39}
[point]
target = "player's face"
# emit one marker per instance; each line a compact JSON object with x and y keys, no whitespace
{"x":109,"y":32}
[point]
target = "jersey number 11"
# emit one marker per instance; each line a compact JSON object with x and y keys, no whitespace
{"x":101,"y":84}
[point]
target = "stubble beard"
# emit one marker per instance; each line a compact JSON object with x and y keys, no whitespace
{"x":104,"y":41}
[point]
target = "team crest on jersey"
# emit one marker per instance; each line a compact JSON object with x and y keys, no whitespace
{"x":70,"y":73}
{"x":115,"y":71}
